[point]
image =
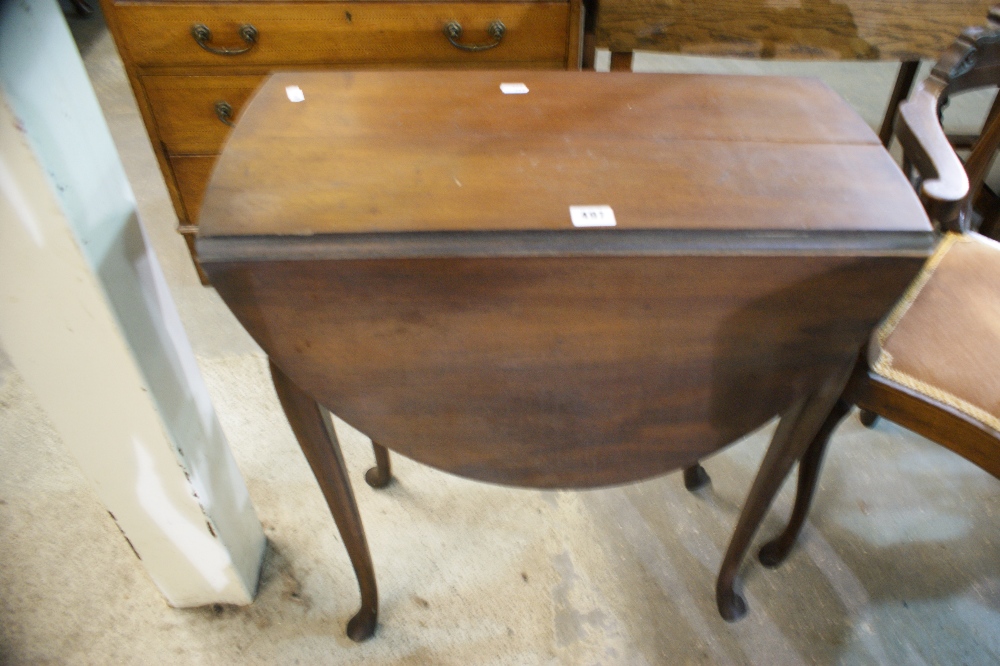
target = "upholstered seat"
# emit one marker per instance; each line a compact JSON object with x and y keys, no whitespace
{"x":942,"y":340}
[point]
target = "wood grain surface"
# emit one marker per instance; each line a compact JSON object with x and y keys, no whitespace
{"x":762,"y":231}
{"x":192,"y":173}
{"x":437,"y":151}
{"x":810,"y":29}
{"x":184,"y":109}
{"x":565,"y":371}
{"x":342,"y":33}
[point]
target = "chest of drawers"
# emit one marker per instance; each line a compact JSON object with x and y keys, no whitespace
{"x":193,"y":66}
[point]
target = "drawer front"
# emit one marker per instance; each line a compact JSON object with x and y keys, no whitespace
{"x":343,"y":33}
{"x":192,"y":173}
{"x":188,"y":113}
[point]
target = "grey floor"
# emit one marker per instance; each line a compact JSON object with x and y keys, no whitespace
{"x":899,"y":563}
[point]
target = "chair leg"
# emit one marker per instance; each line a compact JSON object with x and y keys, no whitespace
{"x":696,"y":477}
{"x":314,"y":430}
{"x":796,"y":430}
{"x":380,"y":475}
{"x":774,"y":552}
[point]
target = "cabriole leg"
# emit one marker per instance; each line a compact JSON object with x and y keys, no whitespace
{"x":314,"y":430}
{"x":774,"y":552}
{"x":796,"y":430}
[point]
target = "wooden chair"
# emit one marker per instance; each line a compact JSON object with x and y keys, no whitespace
{"x":934,"y":364}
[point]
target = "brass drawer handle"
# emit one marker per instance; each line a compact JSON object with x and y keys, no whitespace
{"x":496,"y":30}
{"x":224,"y":112}
{"x":203,"y":36}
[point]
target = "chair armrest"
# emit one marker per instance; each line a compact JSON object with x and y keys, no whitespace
{"x":943,"y":184}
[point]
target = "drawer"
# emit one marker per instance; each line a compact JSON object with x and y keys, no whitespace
{"x":191,"y":172}
{"x":185,"y":109}
{"x":347,"y":33}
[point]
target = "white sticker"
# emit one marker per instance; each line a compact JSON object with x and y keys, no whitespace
{"x":513,"y":89}
{"x":294,"y":94}
{"x":592,"y":216}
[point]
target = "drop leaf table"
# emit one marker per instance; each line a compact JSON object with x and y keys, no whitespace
{"x":556,"y":279}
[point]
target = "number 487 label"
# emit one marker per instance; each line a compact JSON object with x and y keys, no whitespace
{"x":592,"y":216}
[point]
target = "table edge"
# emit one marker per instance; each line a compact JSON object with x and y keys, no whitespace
{"x":552,"y":243}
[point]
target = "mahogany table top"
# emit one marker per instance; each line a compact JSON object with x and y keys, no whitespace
{"x":448,"y":151}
